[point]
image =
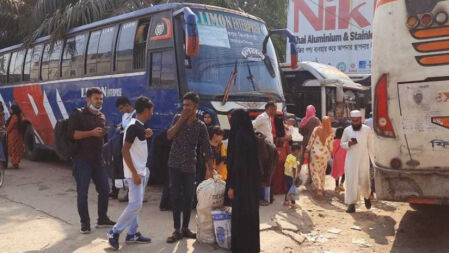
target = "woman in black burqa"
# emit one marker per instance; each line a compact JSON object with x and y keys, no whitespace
{"x":243,"y":183}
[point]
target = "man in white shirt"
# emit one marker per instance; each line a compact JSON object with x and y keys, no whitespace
{"x":124,"y":106}
{"x":263,"y":122}
{"x":357,"y":139}
{"x":135,"y":154}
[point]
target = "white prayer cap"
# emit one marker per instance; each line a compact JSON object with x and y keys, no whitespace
{"x":356,"y":114}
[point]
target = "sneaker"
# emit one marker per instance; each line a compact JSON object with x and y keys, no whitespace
{"x":351,"y":208}
{"x":85,"y":228}
{"x":137,"y":238}
{"x":367,"y":203}
{"x":113,"y":239}
{"x":105,"y":223}
{"x":188,"y":234}
{"x":176,"y":236}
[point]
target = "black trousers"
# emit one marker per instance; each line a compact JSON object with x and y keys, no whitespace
{"x":182,"y":185}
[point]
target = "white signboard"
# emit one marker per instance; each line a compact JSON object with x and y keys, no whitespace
{"x":333,"y":32}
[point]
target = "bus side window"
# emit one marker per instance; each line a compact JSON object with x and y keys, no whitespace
{"x":18,"y":66}
{"x":73,"y":57}
{"x":125,"y":45}
{"x":104,"y":55}
{"x":12,"y":63}
{"x":92,"y":49}
{"x":140,"y":45}
{"x":4,"y":60}
{"x":36,"y":62}
{"x":163,"y":69}
{"x":44,"y":64}
{"x":54,"y":61}
{"x":156,"y":69}
{"x":27,"y":65}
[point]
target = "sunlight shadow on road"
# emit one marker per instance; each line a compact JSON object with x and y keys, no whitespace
{"x":423,"y":231}
{"x":377,"y":227}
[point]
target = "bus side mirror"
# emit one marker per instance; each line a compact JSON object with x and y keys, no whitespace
{"x":192,"y":38}
{"x":292,"y":42}
{"x":293,"y":55}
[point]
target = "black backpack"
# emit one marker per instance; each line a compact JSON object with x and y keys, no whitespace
{"x":66,"y":146}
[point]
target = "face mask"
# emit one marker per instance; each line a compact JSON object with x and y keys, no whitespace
{"x":95,"y":109}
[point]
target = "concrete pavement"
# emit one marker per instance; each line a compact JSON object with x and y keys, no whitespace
{"x":38,"y":214}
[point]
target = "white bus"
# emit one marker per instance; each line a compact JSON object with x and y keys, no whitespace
{"x":410,"y":86}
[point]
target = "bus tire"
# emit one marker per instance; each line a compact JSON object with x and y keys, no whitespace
{"x":32,"y":152}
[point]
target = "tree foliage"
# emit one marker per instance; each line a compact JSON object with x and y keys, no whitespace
{"x":15,"y":21}
{"x":26,"y":20}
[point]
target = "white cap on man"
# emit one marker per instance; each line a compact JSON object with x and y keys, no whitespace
{"x":356,"y":114}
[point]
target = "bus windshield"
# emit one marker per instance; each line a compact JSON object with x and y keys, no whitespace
{"x":232,"y":44}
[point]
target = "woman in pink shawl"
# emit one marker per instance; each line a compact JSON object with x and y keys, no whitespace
{"x":338,"y":162}
{"x":306,"y":126}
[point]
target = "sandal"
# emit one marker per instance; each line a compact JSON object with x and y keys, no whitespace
{"x":176,"y":236}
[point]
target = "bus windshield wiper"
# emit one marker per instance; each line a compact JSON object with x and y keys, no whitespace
{"x":231,"y":82}
{"x":253,"y":80}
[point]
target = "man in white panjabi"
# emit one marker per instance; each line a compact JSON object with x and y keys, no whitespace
{"x":358,"y":141}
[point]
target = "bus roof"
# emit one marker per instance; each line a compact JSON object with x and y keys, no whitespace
{"x":327,"y":74}
{"x":137,"y":14}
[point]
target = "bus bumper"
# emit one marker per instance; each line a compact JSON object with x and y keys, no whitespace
{"x":413,"y":186}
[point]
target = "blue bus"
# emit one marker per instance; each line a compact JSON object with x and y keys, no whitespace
{"x":161,"y":52}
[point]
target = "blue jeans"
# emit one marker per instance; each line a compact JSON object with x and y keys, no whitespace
{"x":182,"y":185}
{"x":83,"y":173}
{"x":130,"y":216}
{"x":289,"y":182}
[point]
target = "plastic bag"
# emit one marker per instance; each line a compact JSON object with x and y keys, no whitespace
{"x":293,"y":193}
{"x":210,"y":194}
{"x":222,"y":225}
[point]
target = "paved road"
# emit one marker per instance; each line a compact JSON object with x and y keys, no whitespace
{"x":38,"y":214}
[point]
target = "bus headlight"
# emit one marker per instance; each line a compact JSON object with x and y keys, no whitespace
{"x":412,"y":22}
{"x":441,"y":18}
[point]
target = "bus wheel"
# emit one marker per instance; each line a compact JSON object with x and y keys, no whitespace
{"x":31,"y":150}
